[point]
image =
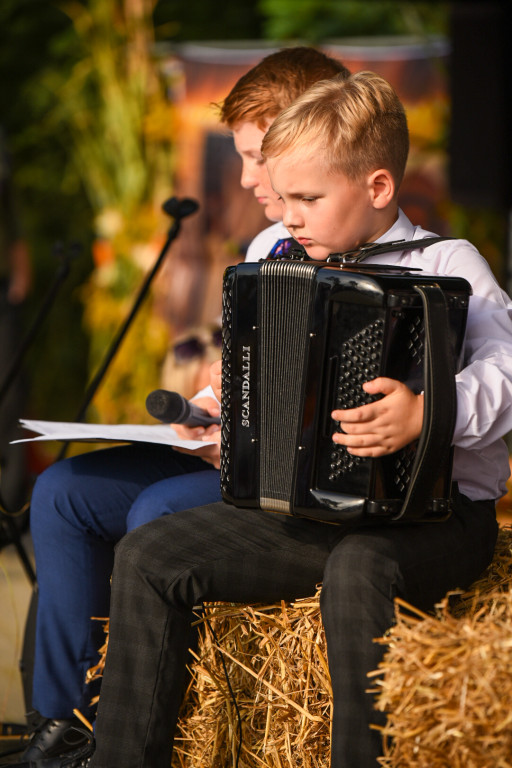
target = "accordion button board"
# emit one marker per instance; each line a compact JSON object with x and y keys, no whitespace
{"x":300,"y":339}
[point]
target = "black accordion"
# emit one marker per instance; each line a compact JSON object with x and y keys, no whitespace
{"x":299,"y":340}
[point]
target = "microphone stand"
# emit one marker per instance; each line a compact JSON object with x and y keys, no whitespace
{"x":178,"y":209}
{"x":60,"y":275}
{"x":9,"y":533}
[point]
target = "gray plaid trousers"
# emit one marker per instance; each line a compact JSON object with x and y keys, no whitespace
{"x":217,"y":552}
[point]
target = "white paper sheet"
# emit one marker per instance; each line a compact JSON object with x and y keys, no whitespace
{"x":114,"y":433}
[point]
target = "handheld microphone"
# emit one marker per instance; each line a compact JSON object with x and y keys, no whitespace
{"x":173,"y":408}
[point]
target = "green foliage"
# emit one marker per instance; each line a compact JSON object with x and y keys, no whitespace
{"x":104,"y":101}
{"x":90,"y":130}
{"x":317,"y":20}
{"x":113,"y":106}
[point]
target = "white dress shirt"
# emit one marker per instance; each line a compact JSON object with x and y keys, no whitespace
{"x":484,"y":386}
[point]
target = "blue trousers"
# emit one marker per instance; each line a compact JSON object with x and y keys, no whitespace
{"x":81,"y":507}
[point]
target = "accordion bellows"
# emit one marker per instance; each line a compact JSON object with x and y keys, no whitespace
{"x":299,"y":339}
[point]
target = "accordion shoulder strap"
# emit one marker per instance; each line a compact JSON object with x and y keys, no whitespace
{"x":372,"y":249}
{"x":440,"y":402}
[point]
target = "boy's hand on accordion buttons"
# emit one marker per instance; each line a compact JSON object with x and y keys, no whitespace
{"x":384,"y":426}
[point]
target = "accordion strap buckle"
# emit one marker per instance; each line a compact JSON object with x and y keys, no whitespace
{"x":354,"y":255}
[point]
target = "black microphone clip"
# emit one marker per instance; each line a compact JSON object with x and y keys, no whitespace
{"x":179,"y":209}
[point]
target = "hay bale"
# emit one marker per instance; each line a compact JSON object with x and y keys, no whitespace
{"x":445,"y":683}
{"x":276,"y":662}
{"x":446,"y":680}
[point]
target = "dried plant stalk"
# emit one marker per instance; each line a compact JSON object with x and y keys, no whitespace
{"x":276,"y":661}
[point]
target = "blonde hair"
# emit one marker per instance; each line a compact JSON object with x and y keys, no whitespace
{"x":358,"y":123}
{"x":274,"y":83}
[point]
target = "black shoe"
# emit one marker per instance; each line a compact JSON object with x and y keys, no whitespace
{"x":76,"y":758}
{"x":55,"y":738}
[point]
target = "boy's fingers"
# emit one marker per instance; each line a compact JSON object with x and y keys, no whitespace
{"x":369,"y":453}
{"x":355,"y":415}
{"x":367,"y":445}
{"x":212,"y":433}
{"x":188,"y":433}
{"x":364,"y":440}
{"x":381,"y":385}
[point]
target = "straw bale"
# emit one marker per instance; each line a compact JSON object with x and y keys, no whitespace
{"x":276,"y":660}
{"x":445,"y":683}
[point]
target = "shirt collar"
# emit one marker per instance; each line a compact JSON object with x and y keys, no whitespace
{"x":402,"y":229}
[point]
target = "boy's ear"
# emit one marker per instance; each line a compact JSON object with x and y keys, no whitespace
{"x":382,"y":188}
